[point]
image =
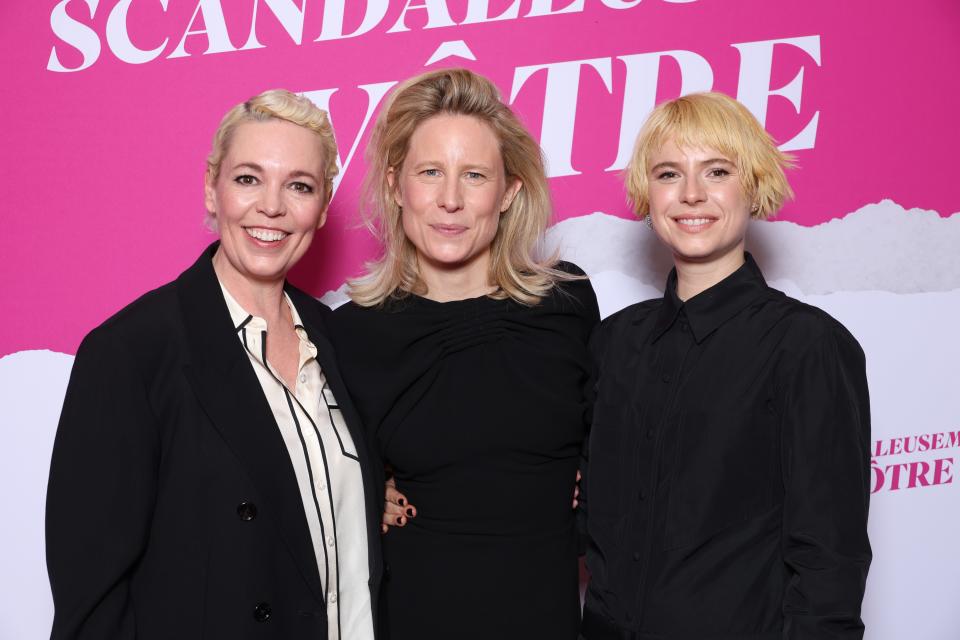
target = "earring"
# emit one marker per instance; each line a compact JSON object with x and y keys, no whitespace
{"x":647,"y":220}
{"x":755,"y":208}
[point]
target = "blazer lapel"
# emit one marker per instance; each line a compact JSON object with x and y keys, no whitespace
{"x":230,"y":393}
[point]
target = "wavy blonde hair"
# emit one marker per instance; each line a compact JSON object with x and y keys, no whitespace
{"x":515,"y":267}
{"x":276,"y":104}
{"x":717,"y":121}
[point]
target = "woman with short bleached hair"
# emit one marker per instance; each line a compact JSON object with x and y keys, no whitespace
{"x":276,"y":104}
{"x":466,"y":352}
{"x":727,"y":479}
{"x":209,"y":476}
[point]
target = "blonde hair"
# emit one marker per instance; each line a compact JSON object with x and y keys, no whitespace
{"x":276,"y":104}
{"x":717,"y":121}
{"x":514,"y":266}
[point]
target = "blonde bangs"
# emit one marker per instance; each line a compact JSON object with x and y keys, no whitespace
{"x":717,"y":121}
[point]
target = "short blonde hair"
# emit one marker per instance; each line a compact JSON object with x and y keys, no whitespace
{"x":277,"y":104}
{"x":515,"y":267}
{"x":717,"y":121}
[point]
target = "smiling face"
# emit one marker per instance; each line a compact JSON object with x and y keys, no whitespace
{"x":452,"y":189}
{"x":698,"y":206}
{"x":268,"y":201}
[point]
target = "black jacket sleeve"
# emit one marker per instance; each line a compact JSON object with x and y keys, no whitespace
{"x":826,"y":464}
{"x":597,"y":346}
{"x":101,"y":493}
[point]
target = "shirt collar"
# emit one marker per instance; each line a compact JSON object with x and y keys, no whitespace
{"x":242,"y":319}
{"x":709,"y":309}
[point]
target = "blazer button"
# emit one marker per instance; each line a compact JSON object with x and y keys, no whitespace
{"x":247,"y":512}
{"x":261,"y":613}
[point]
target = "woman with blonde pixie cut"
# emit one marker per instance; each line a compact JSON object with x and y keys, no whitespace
{"x":466,"y":353}
{"x":716,"y":121}
{"x":210,"y":477}
{"x":740,"y":511}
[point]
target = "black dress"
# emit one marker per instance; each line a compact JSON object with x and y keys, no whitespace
{"x":478,"y":405}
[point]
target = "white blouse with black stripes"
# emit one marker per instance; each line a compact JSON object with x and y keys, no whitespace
{"x":327,"y":469}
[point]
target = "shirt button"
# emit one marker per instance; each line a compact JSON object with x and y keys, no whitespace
{"x":322,"y":485}
{"x":261,"y":612}
{"x":666,"y":377}
{"x":642,"y":494}
{"x":303,"y":377}
{"x":247,"y":511}
{"x":329,"y":541}
{"x":636,"y":556}
{"x":333,"y":598}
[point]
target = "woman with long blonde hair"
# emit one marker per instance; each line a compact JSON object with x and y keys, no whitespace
{"x":465,"y":350}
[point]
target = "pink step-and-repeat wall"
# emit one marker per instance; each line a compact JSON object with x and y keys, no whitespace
{"x":109,"y":107}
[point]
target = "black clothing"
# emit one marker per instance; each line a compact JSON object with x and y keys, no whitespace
{"x":173,"y":510}
{"x":479,"y":407}
{"x":727,"y":476}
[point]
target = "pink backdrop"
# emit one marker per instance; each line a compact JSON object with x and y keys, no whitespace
{"x":103,"y":165}
{"x":109,"y":106}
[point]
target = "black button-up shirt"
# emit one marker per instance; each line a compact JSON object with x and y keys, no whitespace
{"x":726,"y":479}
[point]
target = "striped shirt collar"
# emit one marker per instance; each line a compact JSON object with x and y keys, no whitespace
{"x":244,"y":320}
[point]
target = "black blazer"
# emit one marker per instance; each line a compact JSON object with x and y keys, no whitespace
{"x":173,"y":510}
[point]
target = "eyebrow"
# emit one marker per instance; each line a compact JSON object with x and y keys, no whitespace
{"x":676,"y":165}
{"x":300,"y":173}
{"x":717,"y":160}
{"x":468,"y":167}
{"x":297,"y":173}
{"x":663,"y":165}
